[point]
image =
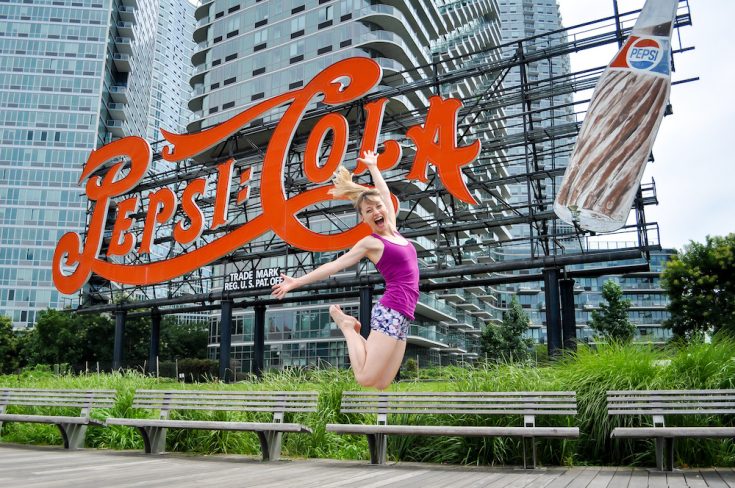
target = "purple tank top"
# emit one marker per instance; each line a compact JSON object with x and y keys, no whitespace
{"x":400,"y":268}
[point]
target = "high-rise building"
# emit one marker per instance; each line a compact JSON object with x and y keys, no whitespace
{"x":169,"y":107}
{"x":74,"y":75}
{"x":251,"y":50}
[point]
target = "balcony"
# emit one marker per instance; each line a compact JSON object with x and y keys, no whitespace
{"x":122,"y":62}
{"x":127,"y":13}
{"x":125,"y":29}
{"x":124,"y":45}
{"x":483,"y":314}
{"x":117,"y":111}
{"x":428,"y":306}
{"x":426,"y":336}
{"x":130,"y":3}
{"x":115,"y":127}
{"x":453,"y":296}
{"x":119,"y":93}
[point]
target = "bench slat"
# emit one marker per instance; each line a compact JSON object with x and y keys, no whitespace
{"x":462,"y":412}
{"x":667,"y":392}
{"x":210,"y":425}
{"x":47,"y":419}
{"x":451,"y":402}
{"x":458,"y":393}
{"x":654,"y":411}
{"x":468,"y":431}
{"x":652,"y":432}
{"x":227,"y":409}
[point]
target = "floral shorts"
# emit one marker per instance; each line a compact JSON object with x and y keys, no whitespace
{"x":390,"y":322}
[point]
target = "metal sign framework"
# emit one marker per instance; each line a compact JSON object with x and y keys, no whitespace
{"x":544,"y":136}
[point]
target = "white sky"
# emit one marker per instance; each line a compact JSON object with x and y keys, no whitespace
{"x":694,"y":168}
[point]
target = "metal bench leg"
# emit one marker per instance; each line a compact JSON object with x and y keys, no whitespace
{"x":154,"y":439}
{"x":670,"y":449}
{"x":378,"y":444}
{"x":660,"y":448}
{"x":73,"y":435}
{"x":270,"y":444}
{"x":526,"y":441}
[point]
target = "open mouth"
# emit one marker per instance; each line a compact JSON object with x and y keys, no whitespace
{"x":379,"y":221}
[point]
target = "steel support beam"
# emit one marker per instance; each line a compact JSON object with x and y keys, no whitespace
{"x":366,"y":308}
{"x":154,"y":349}
{"x":568,"y":321}
{"x":119,"y":344}
{"x":225,"y":341}
{"x":258,"y":360}
{"x":553,"y":312}
{"x":425,"y":274}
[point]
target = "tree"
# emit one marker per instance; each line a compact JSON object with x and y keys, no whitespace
{"x":183,"y":339}
{"x":66,"y":337}
{"x":700,"y":282}
{"x":505,"y":342}
{"x":611,"y":321}
{"x":8,"y":346}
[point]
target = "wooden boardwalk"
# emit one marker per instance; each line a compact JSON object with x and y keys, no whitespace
{"x":45,"y":467}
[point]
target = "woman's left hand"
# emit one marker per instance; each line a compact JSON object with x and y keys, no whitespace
{"x":369,"y":158}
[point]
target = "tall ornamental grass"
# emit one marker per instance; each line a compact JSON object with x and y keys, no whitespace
{"x":589,"y":372}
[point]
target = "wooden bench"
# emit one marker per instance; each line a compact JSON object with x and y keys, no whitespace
{"x":660,"y":403}
{"x":73,"y":428}
{"x":525,"y":405}
{"x":269,"y":433}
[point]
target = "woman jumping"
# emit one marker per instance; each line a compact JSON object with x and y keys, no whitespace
{"x":375,"y":361}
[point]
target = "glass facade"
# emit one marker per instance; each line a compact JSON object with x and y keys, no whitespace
{"x":74,"y":74}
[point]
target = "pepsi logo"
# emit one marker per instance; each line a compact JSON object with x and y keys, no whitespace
{"x":644,"y":54}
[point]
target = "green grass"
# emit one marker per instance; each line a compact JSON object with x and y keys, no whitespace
{"x":588,"y":372}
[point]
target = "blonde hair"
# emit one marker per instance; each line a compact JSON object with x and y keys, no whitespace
{"x":344,"y":187}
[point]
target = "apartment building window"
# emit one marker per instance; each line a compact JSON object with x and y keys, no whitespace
{"x":258,"y":71}
{"x":297,"y":26}
{"x":323,"y":50}
{"x":296,"y":52}
{"x":295,"y":84}
{"x":326,"y":16}
{"x":260,"y":40}
{"x":298,"y":9}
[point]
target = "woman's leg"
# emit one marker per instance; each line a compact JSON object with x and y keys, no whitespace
{"x":383,"y":359}
{"x":374,"y":361}
{"x":350,"y":328}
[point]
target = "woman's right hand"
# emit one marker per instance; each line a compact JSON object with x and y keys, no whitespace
{"x":286,"y":285}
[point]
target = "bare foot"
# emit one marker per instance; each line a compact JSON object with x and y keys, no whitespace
{"x":343,"y":320}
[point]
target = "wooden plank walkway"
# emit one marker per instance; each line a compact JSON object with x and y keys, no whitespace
{"x":47,"y":467}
